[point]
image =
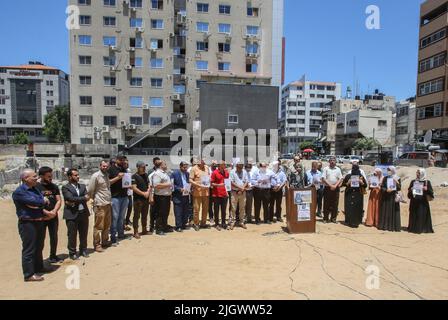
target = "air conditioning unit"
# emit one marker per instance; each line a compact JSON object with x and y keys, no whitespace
{"x":97,"y":135}
{"x":145,"y":107}
{"x":175,"y":97}
{"x":153,"y":50}
{"x":132,"y":127}
{"x":132,"y":49}
{"x":181,"y":116}
{"x":134,"y":10}
{"x":172,"y":34}
{"x":126,"y":3}
{"x":128,"y":67}
{"x":183,"y":77}
{"x":113,"y":48}
{"x":139,"y":30}
{"x":181,"y":19}
{"x":97,"y":129}
{"x":123,"y":123}
{"x":113,"y":69}
{"x":105,"y":129}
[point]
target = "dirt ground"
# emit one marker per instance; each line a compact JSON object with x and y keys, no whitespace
{"x":261,"y":263}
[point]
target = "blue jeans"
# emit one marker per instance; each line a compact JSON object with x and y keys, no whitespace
{"x":119,"y":210}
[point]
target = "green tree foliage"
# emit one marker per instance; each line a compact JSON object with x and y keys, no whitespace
{"x":57,"y":125}
{"x":20,"y":138}
{"x":362,"y":144}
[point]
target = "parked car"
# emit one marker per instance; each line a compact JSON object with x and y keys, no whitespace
{"x":351,"y":159}
{"x":419,"y":159}
{"x":287,"y":156}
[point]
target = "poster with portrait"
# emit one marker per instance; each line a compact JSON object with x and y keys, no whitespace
{"x":304,"y":212}
{"x":301,"y":197}
{"x":127,"y":180}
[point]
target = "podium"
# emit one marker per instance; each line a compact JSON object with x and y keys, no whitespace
{"x":294,"y":224}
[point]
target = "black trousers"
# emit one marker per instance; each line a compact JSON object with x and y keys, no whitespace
{"x":52,"y":226}
{"x":33,"y":237}
{"x":162,"y":207}
{"x":320,"y":200}
{"x":261,"y":197}
{"x":220,"y":203}
{"x":211,"y":215}
{"x":80,"y":226}
{"x":275,"y":205}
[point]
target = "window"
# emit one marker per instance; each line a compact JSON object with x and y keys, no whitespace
{"x":202,"y":7}
{"x":430,"y":87}
{"x":85,"y":80}
{"x":85,"y":20}
{"x":109,"y":21}
{"x":224,"y":47}
{"x":85,"y":121}
{"x":402,"y":130}
{"x":224,"y":9}
{"x":321,"y":96}
{"x":252,"y":48}
{"x":85,"y":40}
{"x":136,"y":42}
{"x":110,"y":141}
{"x":199,"y":82}
{"x":84,"y":2}
{"x":109,"y":61}
{"x":201,"y":46}
{"x":110,"y":121}
{"x":252,"y":30}
{"x":252,"y":12}
{"x":137,"y":121}
{"x":155,"y":121}
{"x":403,"y":111}
{"x":224,"y":66}
{"x":156,"y":83}
{"x":50,"y":103}
{"x":136,"y":82}
{"x":49,"y":83}
{"x":2,"y":121}
{"x":136,"y":62}
{"x":85,"y":60}
{"x":136,"y":23}
{"x":156,"y":63}
{"x":85,"y":100}
{"x":431,"y":111}
{"x":433,"y":62}
{"x":156,"y":102}
{"x":157,"y":4}
{"x":110,"y":81}
{"x":2,"y":101}
{"x":202,"y":65}
{"x":109,"y":41}
{"x":2,"y":111}
{"x":156,"y":44}
{"x":156,"y":24}
{"x":110,"y":101}
{"x":109,"y":3}
{"x":136,"y":102}
{"x":179,"y":88}
{"x":433,"y":38}
{"x":50,"y":93}
{"x":86,"y":141}
{"x":136,"y":4}
{"x":224,"y":28}
{"x":233,"y":119}
{"x":202,"y":26}
{"x":251,"y":67}
{"x":382,"y":123}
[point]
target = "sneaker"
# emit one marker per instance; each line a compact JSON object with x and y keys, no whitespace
{"x":179,"y":230}
{"x":196,"y":228}
{"x":217,"y":227}
{"x":34,"y":278}
{"x":73,"y":257}
{"x":54,"y":259}
{"x":161,"y":233}
{"x":114,"y":244}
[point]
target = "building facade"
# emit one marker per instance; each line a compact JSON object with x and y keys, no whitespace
{"x":137,"y":66}
{"x":27,"y":94}
{"x":301,"y":111}
{"x":405,"y":126}
{"x":432,"y":100}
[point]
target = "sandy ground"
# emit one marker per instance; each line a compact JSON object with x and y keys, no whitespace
{"x":261,"y":263}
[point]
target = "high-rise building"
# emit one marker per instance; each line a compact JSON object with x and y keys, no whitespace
{"x":302,"y":105}
{"x":432,"y":99}
{"x":137,"y":65}
{"x":27,"y":94}
{"x":405,"y":124}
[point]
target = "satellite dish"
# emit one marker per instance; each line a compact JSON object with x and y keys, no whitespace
{"x":428,"y":138}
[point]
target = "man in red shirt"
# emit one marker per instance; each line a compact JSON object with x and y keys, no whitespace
{"x":219,"y":194}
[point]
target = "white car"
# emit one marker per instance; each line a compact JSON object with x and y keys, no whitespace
{"x":351,"y":159}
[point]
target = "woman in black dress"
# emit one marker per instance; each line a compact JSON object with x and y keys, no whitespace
{"x":420,"y":193}
{"x":390,"y":209}
{"x":355,"y":185}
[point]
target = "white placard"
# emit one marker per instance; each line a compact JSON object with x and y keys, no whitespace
{"x":302,"y":197}
{"x":205,"y":181}
{"x":304,"y":212}
{"x":374,"y":181}
{"x":127,"y":180}
{"x":187,"y":190}
{"x":391,"y":185}
{"x":228,"y":185}
{"x":264,"y":181}
{"x":417,"y":189}
{"x":354,"y":181}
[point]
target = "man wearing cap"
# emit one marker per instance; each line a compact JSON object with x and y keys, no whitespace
{"x":240,"y":182}
{"x":142,"y":190}
{"x":181,"y":196}
{"x":200,"y":181}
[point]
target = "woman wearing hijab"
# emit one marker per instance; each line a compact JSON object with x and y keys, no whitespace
{"x":420,"y":193}
{"x":355,"y":184}
{"x":389,"y":219}
{"x":373,"y":208}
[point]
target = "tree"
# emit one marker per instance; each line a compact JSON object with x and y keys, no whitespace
{"x":362,"y":144}
{"x":57,"y":124}
{"x":306,"y":145}
{"x":20,"y":138}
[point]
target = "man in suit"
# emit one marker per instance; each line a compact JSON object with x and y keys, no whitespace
{"x":181,"y":196}
{"x":76,"y":214}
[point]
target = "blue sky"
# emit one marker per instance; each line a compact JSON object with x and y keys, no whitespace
{"x":323,"y":37}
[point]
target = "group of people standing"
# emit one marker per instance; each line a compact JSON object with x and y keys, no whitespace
{"x":199,"y":193}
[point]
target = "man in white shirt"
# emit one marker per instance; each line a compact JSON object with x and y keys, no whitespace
{"x":262,"y":181}
{"x":162,"y":197}
{"x":240,"y":182}
{"x":275,"y":205}
{"x":332,"y":179}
